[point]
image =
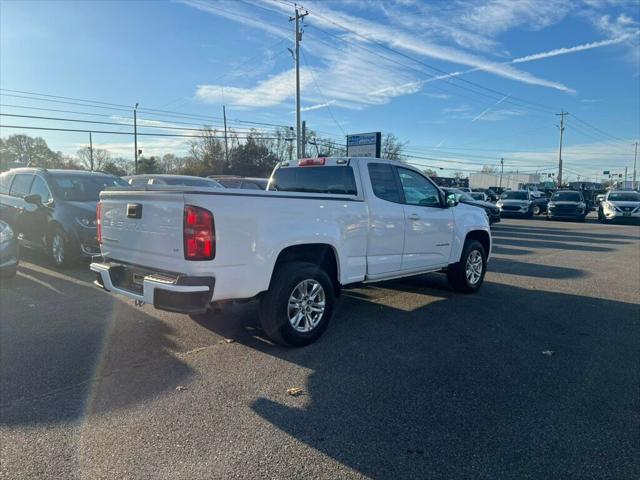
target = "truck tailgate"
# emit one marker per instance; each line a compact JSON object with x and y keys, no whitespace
{"x":143,"y":228}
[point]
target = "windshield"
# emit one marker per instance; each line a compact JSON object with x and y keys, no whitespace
{"x":190,"y":182}
{"x":515,"y":195}
{"x":624,"y":197}
{"x":477,"y":196}
{"x":567,"y":197}
{"x":83,"y":188}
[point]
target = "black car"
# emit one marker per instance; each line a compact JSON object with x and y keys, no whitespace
{"x":245,"y":183}
{"x":493,"y":212}
{"x":8,"y":251}
{"x":539,"y":205}
{"x":54,"y":210}
{"x":179,"y":180}
{"x":568,"y":204}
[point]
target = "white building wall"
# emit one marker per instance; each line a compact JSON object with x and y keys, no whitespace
{"x":509,"y":180}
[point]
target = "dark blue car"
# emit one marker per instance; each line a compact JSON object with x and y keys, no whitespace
{"x":54,"y":210}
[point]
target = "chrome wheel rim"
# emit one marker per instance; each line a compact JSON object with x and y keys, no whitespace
{"x":57,"y":248}
{"x":474,"y":267}
{"x":536,"y":210}
{"x":306,"y":305}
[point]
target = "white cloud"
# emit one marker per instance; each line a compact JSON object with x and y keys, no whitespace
{"x":577,"y":48}
{"x":317,"y":106}
{"x":266,"y":93}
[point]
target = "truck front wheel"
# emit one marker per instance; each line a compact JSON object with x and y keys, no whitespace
{"x":468,"y":274}
{"x":297,"y":308}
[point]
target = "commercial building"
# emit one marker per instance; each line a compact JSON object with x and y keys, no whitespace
{"x":509,"y":180}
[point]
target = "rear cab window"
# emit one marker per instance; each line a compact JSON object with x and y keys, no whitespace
{"x":315,"y":179}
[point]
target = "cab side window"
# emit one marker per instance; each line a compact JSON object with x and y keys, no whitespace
{"x":417,"y":189}
{"x":21,"y":184}
{"x":383,"y":181}
{"x":40,"y":187}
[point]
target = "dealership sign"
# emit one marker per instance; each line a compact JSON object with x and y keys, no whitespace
{"x":364,"y":145}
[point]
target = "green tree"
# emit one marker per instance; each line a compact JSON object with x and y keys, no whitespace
{"x":148,"y":165}
{"x":252,"y":158}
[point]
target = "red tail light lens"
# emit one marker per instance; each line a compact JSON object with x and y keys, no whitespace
{"x":311,"y":162}
{"x":199,"y":234}
{"x":99,"y":222}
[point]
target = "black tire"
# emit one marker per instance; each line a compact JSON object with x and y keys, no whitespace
{"x":274,"y":304}
{"x":457,"y":275}
{"x":58,"y":248}
{"x":536,"y":210}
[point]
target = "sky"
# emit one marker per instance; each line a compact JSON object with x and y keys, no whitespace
{"x":464,"y":83}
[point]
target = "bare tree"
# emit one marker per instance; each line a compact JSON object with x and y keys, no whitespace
{"x":100,"y":158}
{"x":489,"y":169}
{"x":393,"y":148}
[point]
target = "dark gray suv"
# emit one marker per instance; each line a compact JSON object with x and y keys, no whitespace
{"x":54,"y":210}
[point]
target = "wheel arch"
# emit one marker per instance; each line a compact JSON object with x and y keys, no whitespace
{"x":481,"y":236}
{"x":322,"y":254}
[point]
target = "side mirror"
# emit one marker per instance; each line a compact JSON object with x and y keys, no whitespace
{"x":452,"y":201}
{"x":33,"y":199}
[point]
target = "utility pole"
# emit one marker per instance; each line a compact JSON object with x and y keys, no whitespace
{"x":299,"y":16}
{"x":501,"y":171}
{"x":303,"y":147}
{"x":226,"y":146}
{"x":625,"y":177}
{"x":290,"y":140}
{"x":135,"y":137}
{"x":635,"y":161}
{"x":561,"y":115}
{"x":91,"y":150}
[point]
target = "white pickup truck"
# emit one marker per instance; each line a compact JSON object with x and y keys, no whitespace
{"x":322,"y":224}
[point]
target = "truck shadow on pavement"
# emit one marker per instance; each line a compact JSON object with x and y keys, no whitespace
{"x":88,"y":354}
{"x":443,"y":385}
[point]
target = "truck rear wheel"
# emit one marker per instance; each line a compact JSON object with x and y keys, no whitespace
{"x":297,"y":308}
{"x":467,"y":275}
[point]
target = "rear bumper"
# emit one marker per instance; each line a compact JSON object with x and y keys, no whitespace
{"x":165,"y":291}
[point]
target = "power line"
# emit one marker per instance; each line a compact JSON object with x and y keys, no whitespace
{"x":129,"y":133}
{"x":125,"y":108}
{"x":324,"y":99}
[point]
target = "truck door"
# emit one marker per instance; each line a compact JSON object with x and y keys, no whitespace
{"x":428,"y":226}
{"x":386,"y":221}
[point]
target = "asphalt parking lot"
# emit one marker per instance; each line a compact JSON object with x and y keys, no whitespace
{"x":536,"y":376}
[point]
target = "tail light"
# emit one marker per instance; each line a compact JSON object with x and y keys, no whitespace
{"x":311,"y":162}
{"x":99,"y":222}
{"x":199,"y":234}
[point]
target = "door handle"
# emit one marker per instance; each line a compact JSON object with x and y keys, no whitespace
{"x":414,"y":216}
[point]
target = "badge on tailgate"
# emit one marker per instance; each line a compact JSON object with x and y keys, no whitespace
{"x":134,"y":210}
